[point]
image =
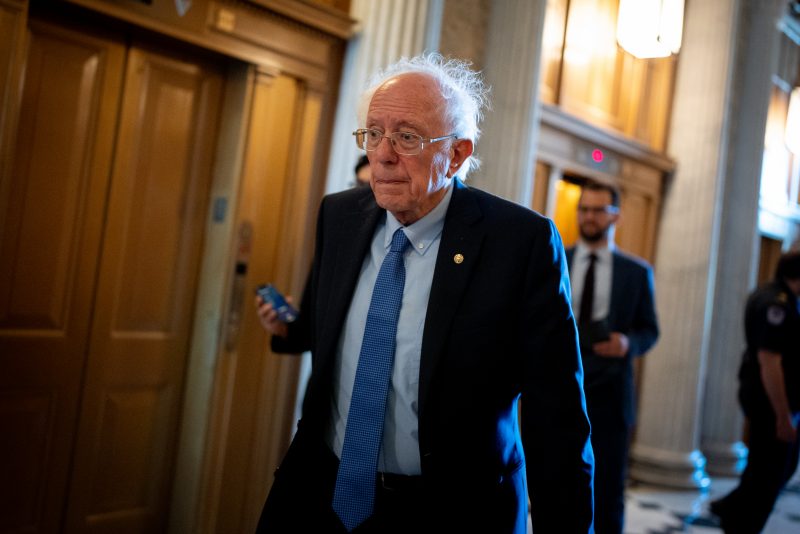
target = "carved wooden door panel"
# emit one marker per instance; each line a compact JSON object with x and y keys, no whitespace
{"x":52,"y":206}
{"x":140,"y":330}
{"x":101,"y":229}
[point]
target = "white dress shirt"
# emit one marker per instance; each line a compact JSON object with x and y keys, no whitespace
{"x":603,"y":268}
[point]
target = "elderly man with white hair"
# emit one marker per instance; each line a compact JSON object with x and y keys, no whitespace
{"x":431,"y":309}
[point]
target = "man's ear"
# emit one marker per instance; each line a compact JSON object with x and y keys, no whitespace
{"x":460,"y":150}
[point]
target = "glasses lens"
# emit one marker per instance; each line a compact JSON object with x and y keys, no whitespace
{"x":403,"y":142}
{"x":585,"y":210}
{"x":407,"y":143}
{"x":373,"y":139}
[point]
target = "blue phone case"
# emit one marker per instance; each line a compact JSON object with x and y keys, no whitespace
{"x":286,"y":312}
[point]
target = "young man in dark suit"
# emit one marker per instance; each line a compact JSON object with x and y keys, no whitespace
{"x":614,"y":297}
{"x":472,"y":314}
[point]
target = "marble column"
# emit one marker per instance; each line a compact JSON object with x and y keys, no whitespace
{"x":387,"y":32}
{"x":507,"y":147}
{"x":757,"y":49}
{"x":666,"y":447}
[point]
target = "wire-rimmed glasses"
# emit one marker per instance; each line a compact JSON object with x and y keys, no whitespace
{"x":405,"y":143}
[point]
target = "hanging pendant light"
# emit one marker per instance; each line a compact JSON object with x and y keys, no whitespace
{"x":650,"y":28}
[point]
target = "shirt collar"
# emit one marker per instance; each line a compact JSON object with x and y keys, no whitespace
{"x":421,"y":233}
{"x":582,"y":251}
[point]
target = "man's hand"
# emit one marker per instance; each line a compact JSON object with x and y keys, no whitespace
{"x":269,"y":318}
{"x":772,"y":379}
{"x":615,"y":347}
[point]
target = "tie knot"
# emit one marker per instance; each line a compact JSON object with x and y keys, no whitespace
{"x":592,"y":257}
{"x":399,"y":241}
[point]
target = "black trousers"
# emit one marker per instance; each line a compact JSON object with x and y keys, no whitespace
{"x":300,"y":500}
{"x":770,"y":465}
{"x":610,"y":439}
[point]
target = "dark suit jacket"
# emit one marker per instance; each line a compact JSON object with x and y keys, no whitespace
{"x":499,"y":325}
{"x":609,"y":381}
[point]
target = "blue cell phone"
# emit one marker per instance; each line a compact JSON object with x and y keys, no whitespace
{"x":286,"y":312}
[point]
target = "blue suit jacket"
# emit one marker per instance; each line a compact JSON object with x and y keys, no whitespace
{"x":499,"y":326}
{"x":609,"y":381}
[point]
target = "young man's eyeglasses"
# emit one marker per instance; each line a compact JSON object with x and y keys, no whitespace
{"x":405,"y":143}
{"x":598,"y":210}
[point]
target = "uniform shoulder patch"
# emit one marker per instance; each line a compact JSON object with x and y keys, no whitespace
{"x":776,"y":315}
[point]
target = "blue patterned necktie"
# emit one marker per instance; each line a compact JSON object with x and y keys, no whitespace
{"x":354,"y":495}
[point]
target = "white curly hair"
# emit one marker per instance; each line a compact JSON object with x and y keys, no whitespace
{"x":463,"y":89}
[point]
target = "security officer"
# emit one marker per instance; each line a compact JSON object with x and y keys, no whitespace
{"x":769,"y":393}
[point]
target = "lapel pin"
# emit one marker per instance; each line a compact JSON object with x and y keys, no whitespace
{"x":458,"y":258}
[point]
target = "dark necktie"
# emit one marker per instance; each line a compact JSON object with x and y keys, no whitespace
{"x":587,"y":298}
{"x":354,"y":495}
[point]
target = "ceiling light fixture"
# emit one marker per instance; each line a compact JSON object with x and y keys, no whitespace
{"x":650,"y":28}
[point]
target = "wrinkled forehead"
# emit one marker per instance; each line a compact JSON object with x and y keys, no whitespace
{"x":415,"y":94}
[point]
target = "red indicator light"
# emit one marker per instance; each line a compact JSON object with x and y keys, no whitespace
{"x":597,"y":155}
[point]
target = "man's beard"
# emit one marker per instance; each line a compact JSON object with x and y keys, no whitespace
{"x":593,"y":237}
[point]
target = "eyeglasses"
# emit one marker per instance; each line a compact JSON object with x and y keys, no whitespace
{"x":611,"y":210}
{"x":405,"y":143}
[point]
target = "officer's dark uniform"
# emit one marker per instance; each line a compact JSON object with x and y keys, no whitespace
{"x":772,"y":322}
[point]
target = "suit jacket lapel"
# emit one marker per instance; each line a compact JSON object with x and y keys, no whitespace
{"x":461,"y":236}
{"x":353,"y":237}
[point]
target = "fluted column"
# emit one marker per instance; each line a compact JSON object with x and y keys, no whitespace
{"x":666,"y":449}
{"x":507,"y":147}
{"x":389,"y":30}
{"x":722,"y":421}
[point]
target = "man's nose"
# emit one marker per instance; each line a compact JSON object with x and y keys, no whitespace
{"x":385,"y":148}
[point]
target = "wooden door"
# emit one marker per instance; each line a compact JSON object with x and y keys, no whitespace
{"x":101,"y":227}
{"x":141,"y":328}
{"x":52,"y":206}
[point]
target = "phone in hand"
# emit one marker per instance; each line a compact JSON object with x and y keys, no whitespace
{"x":286,"y":312}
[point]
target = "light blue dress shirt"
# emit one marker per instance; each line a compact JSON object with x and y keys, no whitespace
{"x":400,"y":449}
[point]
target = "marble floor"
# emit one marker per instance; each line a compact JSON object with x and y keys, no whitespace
{"x":655,"y":510}
{"x":659,"y":510}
